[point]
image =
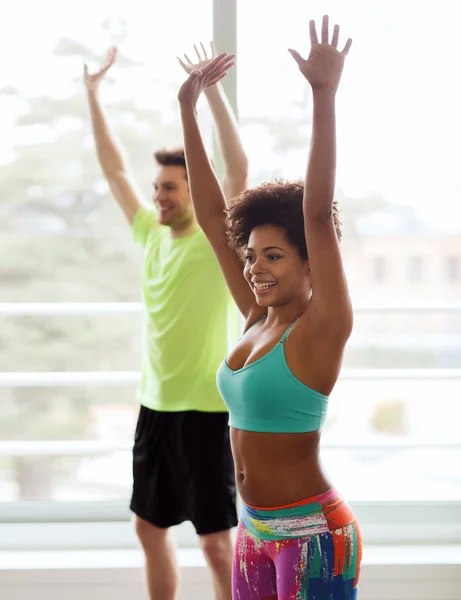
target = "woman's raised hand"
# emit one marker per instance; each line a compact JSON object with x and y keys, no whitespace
{"x":202,"y":58}
{"x":324,"y":65}
{"x":205,"y":77}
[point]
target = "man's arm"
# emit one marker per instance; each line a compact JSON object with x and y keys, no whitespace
{"x":108,"y":149}
{"x":230,"y":143}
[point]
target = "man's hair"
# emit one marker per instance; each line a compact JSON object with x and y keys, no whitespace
{"x":277,"y":202}
{"x":174,"y":157}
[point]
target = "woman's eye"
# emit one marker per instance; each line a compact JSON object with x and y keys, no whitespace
{"x":273,"y":256}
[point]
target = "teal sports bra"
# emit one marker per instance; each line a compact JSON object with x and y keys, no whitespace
{"x":265,"y":395}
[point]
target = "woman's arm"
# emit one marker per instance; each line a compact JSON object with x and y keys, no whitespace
{"x":206,"y":193}
{"x":330,"y":297}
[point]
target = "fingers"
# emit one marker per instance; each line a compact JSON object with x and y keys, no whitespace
{"x":324,"y":37}
{"x":203,"y":56}
{"x":183,"y":64}
{"x":109,"y":61}
{"x":335,"y":38}
{"x":215,"y":81}
{"x":298,"y":58}
{"x":221,"y":63}
{"x":347,"y":47}
{"x":201,"y":79}
{"x":325,"y":29}
{"x":102,"y":72}
{"x":111,"y":56}
{"x":218,"y":62}
{"x":204,"y":51}
{"x":313,"y":32}
{"x":199,"y":58}
{"x":218,"y":71}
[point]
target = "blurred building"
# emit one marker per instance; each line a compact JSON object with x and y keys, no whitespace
{"x":392,"y":262}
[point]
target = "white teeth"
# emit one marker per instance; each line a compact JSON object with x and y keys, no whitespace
{"x":263,"y":286}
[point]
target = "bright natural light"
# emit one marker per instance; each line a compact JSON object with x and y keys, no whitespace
{"x":63,"y":239}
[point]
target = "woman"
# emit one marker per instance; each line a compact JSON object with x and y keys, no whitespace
{"x":297,"y":538}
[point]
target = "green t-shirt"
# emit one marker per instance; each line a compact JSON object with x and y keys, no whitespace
{"x":185,"y":311}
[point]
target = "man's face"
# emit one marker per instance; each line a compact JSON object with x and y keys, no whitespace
{"x":171,"y":197}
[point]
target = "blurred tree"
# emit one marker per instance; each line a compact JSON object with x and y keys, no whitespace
{"x":389,"y":417}
{"x":63,"y":238}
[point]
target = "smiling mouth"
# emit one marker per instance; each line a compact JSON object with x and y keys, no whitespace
{"x":165,"y":209}
{"x":263,"y":288}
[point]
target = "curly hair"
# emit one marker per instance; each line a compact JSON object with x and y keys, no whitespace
{"x":277,"y":202}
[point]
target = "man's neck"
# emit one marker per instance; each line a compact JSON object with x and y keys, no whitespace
{"x":184,"y":231}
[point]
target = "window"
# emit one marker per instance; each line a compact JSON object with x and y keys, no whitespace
{"x":69,"y":371}
{"x":415,"y":269}
{"x":453,"y":269}
{"x":396,"y":357}
{"x":64,"y":239}
{"x":379,"y":269}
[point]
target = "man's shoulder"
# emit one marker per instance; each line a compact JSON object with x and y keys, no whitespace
{"x":145,"y":226}
{"x":203,"y":248}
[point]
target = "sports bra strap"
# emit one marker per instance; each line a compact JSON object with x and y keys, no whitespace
{"x":252,"y":325}
{"x":284,"y":336}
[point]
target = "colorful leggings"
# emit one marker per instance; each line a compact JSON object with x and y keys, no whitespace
{"x":310,"y":550}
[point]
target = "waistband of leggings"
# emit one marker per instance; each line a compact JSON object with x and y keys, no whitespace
{"x":306,"y":506}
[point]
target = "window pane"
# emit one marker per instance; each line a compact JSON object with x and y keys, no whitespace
{"x":62,"y":236}
{"x":400,"y":246}
{"x":394,"y":412}
{"x":66,"y":478}
{"x":379,"y":269}
{"x":415,"y":269}
{"x":453,"y":265}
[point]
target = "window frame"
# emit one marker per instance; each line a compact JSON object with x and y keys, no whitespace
{"x":39,"y":525}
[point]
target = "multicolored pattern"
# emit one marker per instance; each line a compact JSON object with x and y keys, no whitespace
{"x":310,"y":550}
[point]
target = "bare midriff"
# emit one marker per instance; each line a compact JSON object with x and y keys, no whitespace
{"x":275,"y":469}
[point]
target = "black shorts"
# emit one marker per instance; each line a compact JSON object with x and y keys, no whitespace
{"x":183,"y":470}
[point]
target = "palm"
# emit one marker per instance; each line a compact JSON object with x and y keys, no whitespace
{"x":200,"y":79}
{"x":202,"y":59}
{"x":325,"y":62}
{"x":92,"y":80}
{"x":323,"y":67}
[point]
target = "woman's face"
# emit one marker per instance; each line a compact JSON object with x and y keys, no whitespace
{"x":274,"y":268}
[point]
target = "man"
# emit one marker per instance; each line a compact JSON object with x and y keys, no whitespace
{"x":182,"y":464}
